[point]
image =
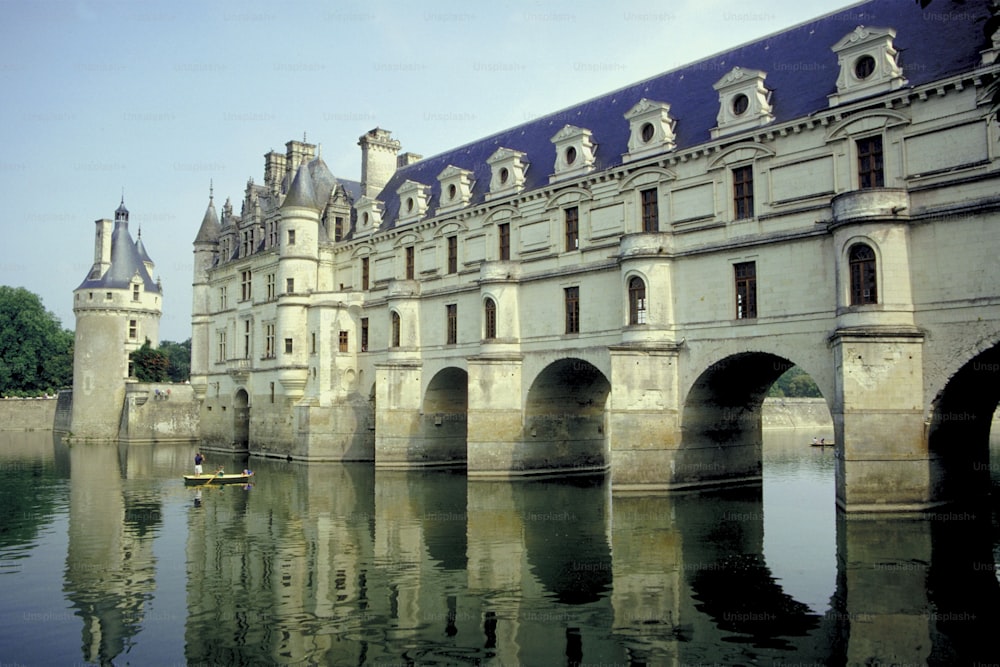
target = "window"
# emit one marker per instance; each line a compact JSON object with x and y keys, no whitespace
{"x":343,"y":341}
{"x":746,"y":290}
{"x":338,"y":228}
{"x":452,"y":254}
{"x":223,"y":297}
{"x":503,"y":229}
{"x":220,"y":339}
{"x":490,"y":315}
{"x":364,"y":334}
{"x":269,"y":341}
{"x":107,"y":296}
{"x":409,"y":263}
{"x":270,"y":286}
{"x":135,"y":291}
{"x":572,"y":300}
{"x":246,"y":339}
{"x":246,"y":285}
{"x":364,"y":273}
{"x":288,"y":346}
{"x":395,"y":329}
{"x":291,"y":237}
{"x":636,"y":301}
{"x":312,"y":342}
{"x":863,"y":283}
{"x":289,"y":285}
{"x":452,"y":310}
{"x":272,"y":392}
{"x":870,"y":174}
{"x":133,"y":329}
{"x":572,"y":228}
{"x":743,"y":192}
{"x":650,"y":211}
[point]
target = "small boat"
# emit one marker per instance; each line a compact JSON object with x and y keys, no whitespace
{"x":821,"y":443}
{"x":205,"y":479}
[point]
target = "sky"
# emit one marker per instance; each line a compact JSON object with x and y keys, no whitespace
{"x":158,"y":100}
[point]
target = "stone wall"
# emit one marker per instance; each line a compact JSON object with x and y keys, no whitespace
{"x":27,"y":414}
{"x":159,"y":412}
{"x":779,"y":413}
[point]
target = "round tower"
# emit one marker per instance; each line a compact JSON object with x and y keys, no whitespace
{"x":117,"y":308}
{"x":206,"y":253}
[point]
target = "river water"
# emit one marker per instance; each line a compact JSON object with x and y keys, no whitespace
{"x":106,"y":558}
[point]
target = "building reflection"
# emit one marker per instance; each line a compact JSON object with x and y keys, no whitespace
{"x":110,"y":567}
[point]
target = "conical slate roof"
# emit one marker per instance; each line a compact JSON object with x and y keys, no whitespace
{"x":141,"y":249}
{"x":126,"y":261}
{"x":209,"y":230}
{"x":311,"y":186}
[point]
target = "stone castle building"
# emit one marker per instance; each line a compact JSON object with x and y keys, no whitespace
{"x":117,"y":308}
{"x":614,"y":286}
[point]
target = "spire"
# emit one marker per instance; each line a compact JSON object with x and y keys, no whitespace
{"x":121,"y":213}
{"x":209,"y":230}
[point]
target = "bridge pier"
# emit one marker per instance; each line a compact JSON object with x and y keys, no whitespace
{"x":882,"y":456}
{"x":495,"y":425}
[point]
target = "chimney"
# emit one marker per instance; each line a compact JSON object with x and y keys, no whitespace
{"x":406,"y":159}
{"x":274,"y":170}
{"x":102,"y":245}
{"x":378,"y":160}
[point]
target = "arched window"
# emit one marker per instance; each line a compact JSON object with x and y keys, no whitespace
{"x":395,"y":329}
{"x":490,"y":315}
{"x":863,"y":282}
{"x":636,"y":301}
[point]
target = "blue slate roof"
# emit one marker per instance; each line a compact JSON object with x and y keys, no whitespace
{"x":801,"y":71}
{"x":126,"y":261}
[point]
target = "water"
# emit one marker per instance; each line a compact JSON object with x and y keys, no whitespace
{"x":106,"y":558}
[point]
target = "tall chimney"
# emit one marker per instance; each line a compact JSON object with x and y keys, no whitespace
{"x":378,"y":160}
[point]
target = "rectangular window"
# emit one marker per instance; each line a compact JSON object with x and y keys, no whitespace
{"x":343,"y":341}
{"x":572,"y":300}
{"x":338,"y":228}
{"x":270,"y":287}
{"x":746,"y":290}
{"x":246,"y":285}
{"x":452,"y":254}
{"x":870,"y":174}
{"x":223,"y":297}
{"x":503,"y":230}
{"x":312,"y":342}
{"x":409,"y":263}
{"x":650,"y":211}
{"x":572,"y":228}
{"x":452,"y":310}
{"x":246,"y":339}
{"x":135,"y":292}
{"x":269,"y":341}
{"x":289,"y":285}
{"x":364,"y":334}
{"x":291,"y":237}
{"x":364,"y":273}
{"x":743,"y":192}
{"x":107,"y":296}
{"x":272,"y":392}
{"x":220,"y":338}
{"x":133,"y":329}
{"x":288,"y":346}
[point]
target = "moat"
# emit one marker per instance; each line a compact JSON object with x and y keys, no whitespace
{"x":106,"y":558}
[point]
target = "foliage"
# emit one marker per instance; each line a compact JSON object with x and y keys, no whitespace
{"x":149,"y":365}
{"x":36,"y":353}
{"x":795,"y":383}
{"x":179,"y":355}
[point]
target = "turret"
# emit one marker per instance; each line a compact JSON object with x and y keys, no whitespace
{"x":206,"y":246}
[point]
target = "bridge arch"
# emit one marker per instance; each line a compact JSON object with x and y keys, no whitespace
{"x":565,"y":419}
{"x":721,"y":421}
{"x":958,"y":427}
{"x":444,"y":417}
{"x":241,"y":419}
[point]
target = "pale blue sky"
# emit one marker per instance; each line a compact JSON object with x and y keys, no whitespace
{"x":161,"y":98}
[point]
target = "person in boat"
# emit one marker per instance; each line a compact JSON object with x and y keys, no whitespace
{"x":815,"y":441}
{"x":822,"y":441}
{"x":198,"y":461}
{"x":220,"y":472}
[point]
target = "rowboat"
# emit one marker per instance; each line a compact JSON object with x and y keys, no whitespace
{"x":821,"y":444}
{"x":200,"y":480}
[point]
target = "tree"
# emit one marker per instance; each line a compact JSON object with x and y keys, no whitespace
{"x":795,"y":383}
{"x":179,"y":355}
{"x":148,"y":364}
{"x":36,"y":353}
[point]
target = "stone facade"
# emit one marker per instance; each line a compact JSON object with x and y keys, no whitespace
{"x":617,"y":293}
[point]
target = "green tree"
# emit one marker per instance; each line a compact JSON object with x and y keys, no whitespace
{"x":795,"y":383}
{"x":149,"y":365}
{"x":36,"y":353}
{"x":179,"y":355}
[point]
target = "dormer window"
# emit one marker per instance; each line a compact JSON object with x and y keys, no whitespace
{"x":744,"y":102}
{"x":575,"y":153}
{"x":652,"y":129}
{"x":508,"y":168}
{"x":369,"y":215}
{"x":456,"y":188}
{"x":868,"y":64}
{"x":413,"y":198}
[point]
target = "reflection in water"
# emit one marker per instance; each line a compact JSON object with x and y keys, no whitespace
{"x":342,"y":564}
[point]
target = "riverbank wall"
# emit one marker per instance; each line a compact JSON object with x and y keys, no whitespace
{"x":789,"y":413}
{"x":27,"y":414}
